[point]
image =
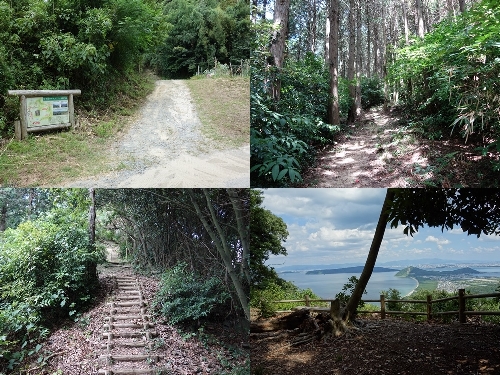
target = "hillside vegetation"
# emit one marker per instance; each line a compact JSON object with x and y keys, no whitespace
{"x":93,"y":44}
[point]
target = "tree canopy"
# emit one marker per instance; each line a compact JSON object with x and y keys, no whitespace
{"x":267,"y":233}
{"x":474,"y":210}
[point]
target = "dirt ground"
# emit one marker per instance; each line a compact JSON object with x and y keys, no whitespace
{"x":380,"y":151}
{"x":164,"y":147}
{"x":389,"y":347}
{"x":75,"y":347}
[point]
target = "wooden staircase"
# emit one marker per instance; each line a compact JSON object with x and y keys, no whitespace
{"x":128,"y":333}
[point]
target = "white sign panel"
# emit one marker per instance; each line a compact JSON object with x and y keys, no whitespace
{"x":49,"y":110}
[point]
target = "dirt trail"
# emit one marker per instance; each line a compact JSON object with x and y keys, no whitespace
{"x":375,"y":152}
{"x":120,"y":335}
{"x":164,"y":147}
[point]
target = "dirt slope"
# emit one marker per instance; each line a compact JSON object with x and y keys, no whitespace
{"x":164,"y":147}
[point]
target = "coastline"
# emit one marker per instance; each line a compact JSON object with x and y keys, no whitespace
{"x":418,"y":284}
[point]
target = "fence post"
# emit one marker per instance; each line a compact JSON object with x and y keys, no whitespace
{"x":429,"y":307}
{"x":307,"y":301}
{"x":461,"y":306}
{"x":382,"y":306}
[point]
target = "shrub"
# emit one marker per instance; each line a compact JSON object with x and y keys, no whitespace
{"x":392,"y":294}
{"x":47,"y":271}
{"x":186,"y":297}
{"x":275,"y":290}
{"x":372,"y":93}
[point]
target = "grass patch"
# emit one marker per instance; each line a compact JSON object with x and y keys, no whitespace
{"x":223,"y":105}
{"x":426,"y":284}
{"x":48,"y":159}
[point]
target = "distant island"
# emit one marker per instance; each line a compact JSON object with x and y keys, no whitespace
{"x":355,"y":270}
{"x":415,"y":272}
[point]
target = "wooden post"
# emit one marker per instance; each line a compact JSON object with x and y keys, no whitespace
{"x":461,"y":306}
{"x":335,"y":309}
{"x":17,"y":129}
{"x":382,"y":306}
{"x":307,"y":301}
{"x":71,"y":109}
{"x":429,"y":307}
{"x":24,"y":123}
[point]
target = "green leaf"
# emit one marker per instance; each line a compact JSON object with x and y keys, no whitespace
{"x":275,"y":171}
{"x":38,"y":347}
{"x":282,"y":174}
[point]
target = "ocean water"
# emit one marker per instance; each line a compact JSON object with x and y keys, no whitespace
{"x":327,"y":286}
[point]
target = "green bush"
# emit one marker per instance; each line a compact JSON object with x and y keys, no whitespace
{"x":47,"y":272}
{"x":186,"y":297}
{"x":275,"y":290}
{"x":452,"y":73}
{"x":392,"y":294}
{"x":372,"y":92}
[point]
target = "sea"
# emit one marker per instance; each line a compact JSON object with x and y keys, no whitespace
{"x":327,"y":286}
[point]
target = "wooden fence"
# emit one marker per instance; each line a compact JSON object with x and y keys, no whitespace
{"x":461,"y":312}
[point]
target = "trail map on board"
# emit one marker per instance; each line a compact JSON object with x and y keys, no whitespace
{"x":47,"y":111}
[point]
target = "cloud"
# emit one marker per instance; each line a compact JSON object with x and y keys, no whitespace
{"x":439,"y":242}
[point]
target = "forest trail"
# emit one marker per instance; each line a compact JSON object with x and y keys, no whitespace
{"x":119,"y":335}
{"x":374,"y":152}
{"x":164,"y":147}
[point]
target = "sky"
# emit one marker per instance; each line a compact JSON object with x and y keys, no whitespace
{"x":335,"y":226}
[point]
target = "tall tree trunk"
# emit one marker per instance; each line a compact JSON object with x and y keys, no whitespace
{"x":216,"y":233}
{"x":420,"y":18}
{"x":375,"y":50}
{"x":352,"y":304}
{"x":333,"y":60}
{"x":3,"y":217}
{"x":368,"y":38}
{"x":359,"y":68}
{"x":405,"y":20}
{"x":461,"y":4}
{"x":92,"y":216}
{"x":351,"y":117}
{"x":243,"y":224}
{"x":313,"y":26}
{"x":278,"y":43}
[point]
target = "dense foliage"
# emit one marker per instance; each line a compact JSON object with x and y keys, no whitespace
{"x":202,"y":34}
{"x":277,"y":289}
{"x":267,"y":233}
{"x":94,"y":45}
{"x":47,"y":272}
{"x":160,"y":228}
{"x":189,"y":298}
{"x":63,"y":44}
{"x":450,"y":77}
{"x":286,"y":133}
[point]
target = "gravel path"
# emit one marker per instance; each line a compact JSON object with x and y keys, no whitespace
{"x":164,"y":147}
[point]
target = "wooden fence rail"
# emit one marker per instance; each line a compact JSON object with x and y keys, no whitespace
{"x":461,"y":312}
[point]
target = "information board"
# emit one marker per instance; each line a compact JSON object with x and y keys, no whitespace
{"x":48,"y":110}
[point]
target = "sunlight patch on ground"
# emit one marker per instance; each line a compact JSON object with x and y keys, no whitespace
{"x":347,"y":161}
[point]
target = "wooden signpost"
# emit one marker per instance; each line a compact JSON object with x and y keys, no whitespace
{"x":44,"y":110}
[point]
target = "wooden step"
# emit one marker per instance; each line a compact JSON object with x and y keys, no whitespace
{"x":128,"y":344}
{"x":127,"y":317}
{"x":114,"y":310}
{"x":131,"y":372}
{"x":129,"y":325}
{"x":133,"y":297}
{"x":110,"y":335}
{"x":129,"y":358}
{"x":127,"y":304}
